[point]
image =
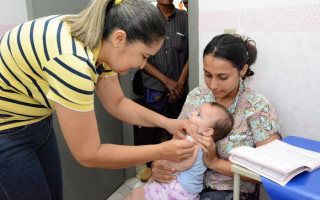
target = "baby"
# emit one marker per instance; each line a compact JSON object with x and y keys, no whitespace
{"x":212,"y":119}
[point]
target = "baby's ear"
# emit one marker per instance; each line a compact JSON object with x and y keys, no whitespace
{"x":208,"y":132}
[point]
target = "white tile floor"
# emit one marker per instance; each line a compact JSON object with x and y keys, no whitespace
{"x":128,"y":185}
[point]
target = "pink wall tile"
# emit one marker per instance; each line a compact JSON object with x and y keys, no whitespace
{"x":5,"y":28}
{"x":284,"y":19}
{"x":287,"y":19}
{"x":216,"y":21}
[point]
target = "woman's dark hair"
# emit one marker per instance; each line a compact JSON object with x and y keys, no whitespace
{"x":140,"y":19}
{"x":238,"y":50}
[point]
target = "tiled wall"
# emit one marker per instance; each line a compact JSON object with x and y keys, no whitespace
{"x":12,"y":12}
{"x":5,"y":28}
{"x":305,"y":18}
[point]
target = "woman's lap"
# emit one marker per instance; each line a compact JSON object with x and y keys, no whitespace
{"x":30,"y":163}
{"x":209,"y":194}
{"x":216,"y":195}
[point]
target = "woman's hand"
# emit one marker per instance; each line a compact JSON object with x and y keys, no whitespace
{"x":177,"y":127}
{"x":162,"y":172}
{"x":176,"y":150}
{"x":209,"y":150}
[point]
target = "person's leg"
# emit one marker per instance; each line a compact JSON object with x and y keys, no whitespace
{"x":151,"y":136}
{"x":154,"y":136}
{"x":176,"y":191}
{"x":154,"y":190}
{"x":216,"y":195}
{"x":49,"y":158}
{"x":208,"y":194}
{"x":22,"y":175}
{"x":137,"y":193}
{"x":148,"y":135}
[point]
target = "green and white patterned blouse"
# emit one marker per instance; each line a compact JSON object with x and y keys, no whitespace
{"x":255,"y":120}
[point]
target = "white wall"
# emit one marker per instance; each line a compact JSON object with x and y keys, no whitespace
{"x":12,"y":12}
{"x":288,"y":41}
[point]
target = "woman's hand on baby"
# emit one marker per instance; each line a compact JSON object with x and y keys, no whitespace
{"x":178,"y":127}
{"x":176,"y":150}
{"x":208,"y":147}
{"x":162,"y":172}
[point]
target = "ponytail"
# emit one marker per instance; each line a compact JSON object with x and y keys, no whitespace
{"x":102,"y":17}
{"x":88,"y":25}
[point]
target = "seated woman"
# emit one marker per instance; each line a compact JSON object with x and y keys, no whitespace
{"x":226,"y":63}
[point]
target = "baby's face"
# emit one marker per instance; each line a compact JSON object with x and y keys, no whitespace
{"x":205,"y":117}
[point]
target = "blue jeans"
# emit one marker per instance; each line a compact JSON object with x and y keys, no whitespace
{"x":209,"y":194}
{"x":30,"y":165}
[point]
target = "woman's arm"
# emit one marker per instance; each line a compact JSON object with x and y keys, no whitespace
{"x":114,"y":101}
{"x":223,"y":166}
{"x":80,"y":131}
{"x":275,"y":136}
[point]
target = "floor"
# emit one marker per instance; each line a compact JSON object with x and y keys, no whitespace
{"x":128,"y":185}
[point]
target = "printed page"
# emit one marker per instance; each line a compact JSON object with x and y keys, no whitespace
{"x":292,"y":156}
{"x":279,"y":156}
{"x":260,"y":169}
{"x":273,"y":175}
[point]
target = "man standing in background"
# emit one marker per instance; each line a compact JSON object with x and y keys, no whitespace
{"x":165,"y":76}
{"x":185,"y":3}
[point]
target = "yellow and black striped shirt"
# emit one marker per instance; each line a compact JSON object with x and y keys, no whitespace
{"x":40,"y":62}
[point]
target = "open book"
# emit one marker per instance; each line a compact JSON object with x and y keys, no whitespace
{"x":277,"y":160}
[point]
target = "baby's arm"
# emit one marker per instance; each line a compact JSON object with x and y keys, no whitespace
{"x":185,"y":164}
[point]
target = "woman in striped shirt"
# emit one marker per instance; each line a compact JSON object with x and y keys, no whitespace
{"x":56,"y":63}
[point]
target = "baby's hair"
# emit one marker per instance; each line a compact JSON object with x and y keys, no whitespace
{"x":223,"y":126}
